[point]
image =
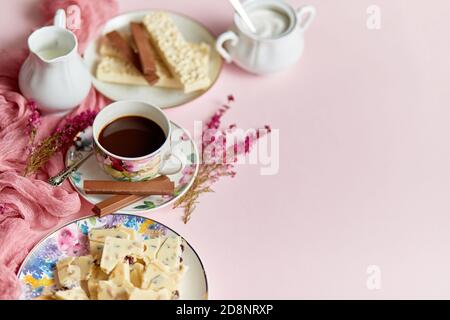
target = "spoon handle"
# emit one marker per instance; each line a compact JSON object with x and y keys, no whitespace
{"x":63,"y":175}
{"x":243,"y":14}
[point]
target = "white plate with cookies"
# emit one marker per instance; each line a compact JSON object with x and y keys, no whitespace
{"x":187,"y":64}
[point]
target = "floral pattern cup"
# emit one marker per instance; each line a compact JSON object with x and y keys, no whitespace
{"x":160,"y":162}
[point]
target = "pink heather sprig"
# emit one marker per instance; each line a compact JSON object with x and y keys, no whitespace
{"x":59,"y":140}
{"x":217,"y":160}
{"x":72,"y":127}
{"x":214,"y":139}
{"x":34,"y":121}
{"x":244,"y":147}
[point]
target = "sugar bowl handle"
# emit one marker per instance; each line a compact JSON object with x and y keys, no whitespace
{"x":223,"y":38}
{"x":305,"y":16}
{"x":60,"y":19}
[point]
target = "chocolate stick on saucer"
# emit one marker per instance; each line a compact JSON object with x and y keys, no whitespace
{"x":118,"y":202}
{"x":115,"y":203}
{"x":143,"y":188}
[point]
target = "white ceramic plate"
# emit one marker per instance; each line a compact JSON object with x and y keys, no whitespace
{"x":37,"y":270}
{"x":161,"y":97}
{"x":182,"y":144}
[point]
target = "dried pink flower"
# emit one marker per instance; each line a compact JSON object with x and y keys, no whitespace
{"x":73,"y":126}
{"x":35,"y":117}
{"x":59,"y":140}
{"x":217,"y":161}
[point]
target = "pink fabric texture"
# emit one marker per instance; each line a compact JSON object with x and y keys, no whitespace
{"x":29,"y":207}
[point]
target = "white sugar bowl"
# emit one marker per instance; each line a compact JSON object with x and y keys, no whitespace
{"x":279,"y":39}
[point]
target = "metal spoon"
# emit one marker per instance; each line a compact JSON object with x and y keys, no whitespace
{"x":237,"y":5}
{"x":63,"y":175}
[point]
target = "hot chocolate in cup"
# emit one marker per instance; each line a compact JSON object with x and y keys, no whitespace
{"x":132,"y":142}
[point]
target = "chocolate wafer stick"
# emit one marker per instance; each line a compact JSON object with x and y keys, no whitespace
{"x":145,"y":51}
{"x":121,"y":45}
{"x":127,"y":53}
{"x":151,"y":187}
{"x":115,"y":203}
{"x":118,"y":202}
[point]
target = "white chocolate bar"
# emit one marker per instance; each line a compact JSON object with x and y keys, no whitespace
{"x":186,"y":64}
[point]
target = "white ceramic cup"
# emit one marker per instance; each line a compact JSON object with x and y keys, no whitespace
{"x":263,"y":55}
{"x":159,"y":162}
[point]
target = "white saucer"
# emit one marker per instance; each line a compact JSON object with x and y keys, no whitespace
{"x":182,"y":144}
{"x":192,"y":31}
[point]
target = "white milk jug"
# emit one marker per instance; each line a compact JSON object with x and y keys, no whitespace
{"x":54,"y":74}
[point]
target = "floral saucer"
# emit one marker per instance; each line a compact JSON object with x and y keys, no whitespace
{"x":182,"y":144}
{"x":37,"y":271}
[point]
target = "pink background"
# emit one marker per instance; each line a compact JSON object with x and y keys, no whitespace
{"x":364,"y":173}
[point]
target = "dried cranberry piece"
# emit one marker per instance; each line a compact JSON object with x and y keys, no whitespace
{"x":130,"y":259}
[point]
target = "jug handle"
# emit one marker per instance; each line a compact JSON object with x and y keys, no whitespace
{"x":305,"y":22}
{"x":60,"y":18}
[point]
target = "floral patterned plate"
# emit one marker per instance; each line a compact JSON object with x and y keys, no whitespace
{"x":36,"y":272}
{"x":182,"y":144}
